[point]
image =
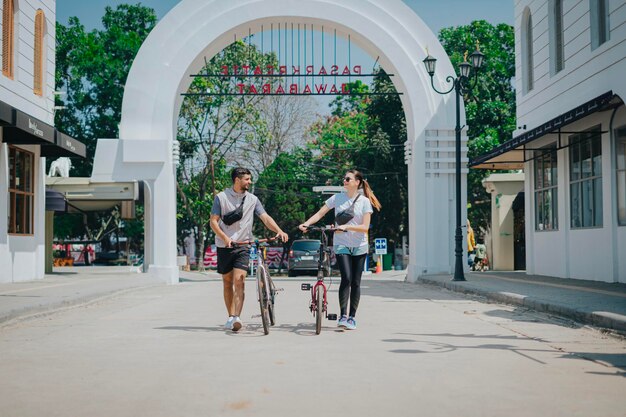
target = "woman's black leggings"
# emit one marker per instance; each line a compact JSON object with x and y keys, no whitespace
{"x":351,"y":268}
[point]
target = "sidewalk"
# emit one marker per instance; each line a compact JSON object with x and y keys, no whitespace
{"x":67,"y":287}
{"x":588,"y":302}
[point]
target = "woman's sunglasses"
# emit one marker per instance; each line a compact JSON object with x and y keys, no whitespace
{"x":347,"y":179}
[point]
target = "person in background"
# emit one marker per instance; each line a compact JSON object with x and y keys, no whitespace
{"x":471,"y":243}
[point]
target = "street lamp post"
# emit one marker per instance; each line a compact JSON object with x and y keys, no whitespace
{"x":460,"y":85}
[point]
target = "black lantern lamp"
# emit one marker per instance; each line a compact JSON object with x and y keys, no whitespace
{"x":460,"y":85}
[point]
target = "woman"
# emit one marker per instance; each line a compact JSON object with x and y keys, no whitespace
{"x":353,"y":211}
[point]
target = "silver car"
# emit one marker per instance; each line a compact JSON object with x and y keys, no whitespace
{"x":303,"y":257}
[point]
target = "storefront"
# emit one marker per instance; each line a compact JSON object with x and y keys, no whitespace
{"x":25,"y":142}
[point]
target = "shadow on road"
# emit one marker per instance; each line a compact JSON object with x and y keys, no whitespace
{"x":255,"y":329}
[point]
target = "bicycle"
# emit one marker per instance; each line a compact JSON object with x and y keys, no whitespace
{"x":319,"y":300}
{"x":266,"y":290}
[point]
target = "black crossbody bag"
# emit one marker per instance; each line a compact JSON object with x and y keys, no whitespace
{"x":235,"y":215}
{"x":346,"y":215}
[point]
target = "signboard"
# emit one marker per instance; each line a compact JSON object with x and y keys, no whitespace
{"x":253,"y":253}
{"x":380,"y":245}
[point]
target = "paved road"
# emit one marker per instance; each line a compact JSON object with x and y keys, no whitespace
{"x":418,"y":350}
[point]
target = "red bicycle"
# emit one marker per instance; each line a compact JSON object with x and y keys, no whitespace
{"x":319,"y":300}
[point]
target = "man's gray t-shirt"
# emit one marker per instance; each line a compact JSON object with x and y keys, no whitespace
{"x":227,"y":201}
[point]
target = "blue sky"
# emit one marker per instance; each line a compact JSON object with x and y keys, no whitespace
{"x":436,"y":14}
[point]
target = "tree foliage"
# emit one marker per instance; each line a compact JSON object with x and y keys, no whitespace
{"x":221,"y":130}
{"x":490,"y":107}
{"x":91,"y":70}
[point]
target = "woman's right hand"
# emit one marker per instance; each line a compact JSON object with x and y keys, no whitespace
{"x":303,"y":228}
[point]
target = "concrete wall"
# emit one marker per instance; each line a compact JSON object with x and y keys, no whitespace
{"x":18,"y":92}
{"x":587,"y":73}
{"x":22,"y":257}
{"x":590,"y":253}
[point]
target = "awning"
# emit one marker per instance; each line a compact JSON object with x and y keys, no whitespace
{"x":65,"y":146}
{"x":23,"y":129}
{"x":511,"y":154}
{"x":27,"y":130}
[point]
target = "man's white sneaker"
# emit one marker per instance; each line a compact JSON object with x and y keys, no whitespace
{"x":229,"y":323}
{"x":237,"y":324}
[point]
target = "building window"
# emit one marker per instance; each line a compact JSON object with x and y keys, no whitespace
{"x":39,"y":51}
{"x":527,"y":51}
{"x":8,"y":37}
{"x":546,"y":189}
{"x":620,"y":152}
{"x":585,"y":154}
{"x":21,"y":191}
{"x":599,"y":22}
{"x":556,"y":36}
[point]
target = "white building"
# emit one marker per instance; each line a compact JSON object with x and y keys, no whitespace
{"x":571,"y":143}
{"x":27,"y":134}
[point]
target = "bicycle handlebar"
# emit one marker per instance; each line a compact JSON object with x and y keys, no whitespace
{"x":255,"y":241}
{"x":321,"y":229}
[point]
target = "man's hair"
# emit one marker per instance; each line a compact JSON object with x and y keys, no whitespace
{"x":239,"y":172}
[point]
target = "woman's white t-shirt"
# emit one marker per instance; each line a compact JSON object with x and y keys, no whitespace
{"x":341,"y":202}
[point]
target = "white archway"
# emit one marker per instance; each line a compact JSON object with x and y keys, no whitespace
{"x":196,"y":29}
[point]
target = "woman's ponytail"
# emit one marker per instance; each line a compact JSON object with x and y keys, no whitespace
{"x":367,"y":190}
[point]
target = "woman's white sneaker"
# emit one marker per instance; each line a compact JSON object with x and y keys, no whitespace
{"x":351,"y":324}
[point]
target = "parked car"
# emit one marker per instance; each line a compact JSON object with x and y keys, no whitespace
{"x":303,"y":256}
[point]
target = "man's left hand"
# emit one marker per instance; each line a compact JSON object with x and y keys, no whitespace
{"x":283,"y":236}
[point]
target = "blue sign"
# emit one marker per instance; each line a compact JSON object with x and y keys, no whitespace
{"x":253,"y":253}
{"x":380,"y":244}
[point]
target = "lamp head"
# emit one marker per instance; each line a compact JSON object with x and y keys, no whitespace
{"x":477,"y":59}
{"x":464,"y":69}
{"x":430,"y":63}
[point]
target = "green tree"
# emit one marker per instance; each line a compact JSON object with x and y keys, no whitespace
{"x":490,"y":108}
{"x":286,"y":190}
{"x":384,"y":159}
{"x":368,"y":133}
{"x":213,"y":130}
{"x":91,"y":70}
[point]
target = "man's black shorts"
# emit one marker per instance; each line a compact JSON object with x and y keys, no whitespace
{"x":229,"y":258}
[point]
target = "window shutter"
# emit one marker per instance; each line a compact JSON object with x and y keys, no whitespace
{"x":7,"y":38}
{"x":39,"y":53}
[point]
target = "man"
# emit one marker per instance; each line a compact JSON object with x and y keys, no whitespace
{"x":231,"y":220}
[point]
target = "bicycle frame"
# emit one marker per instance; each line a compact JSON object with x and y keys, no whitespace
{"x":265,"y":286}
{"x":322,"y":271}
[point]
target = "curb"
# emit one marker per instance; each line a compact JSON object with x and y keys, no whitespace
{"x":35,"y":312}
{"x":603,"y":319}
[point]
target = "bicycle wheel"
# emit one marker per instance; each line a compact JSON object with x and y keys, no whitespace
{"x":270,"y":305}
{"x":263,"y":299}
{"x":319,"y":307}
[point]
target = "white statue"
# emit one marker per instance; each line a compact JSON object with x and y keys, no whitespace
{"x":60,"y":166}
